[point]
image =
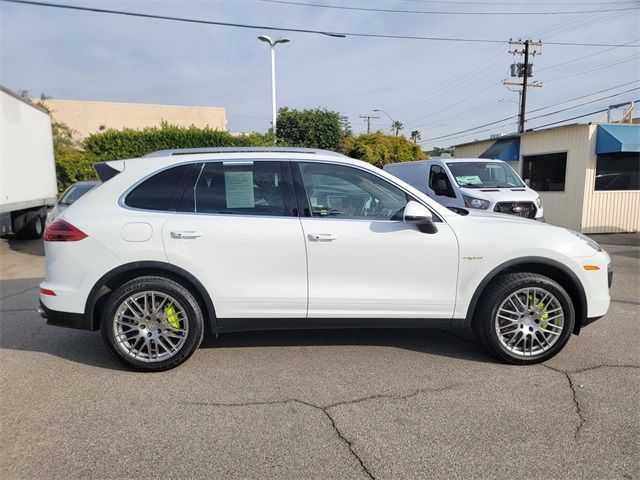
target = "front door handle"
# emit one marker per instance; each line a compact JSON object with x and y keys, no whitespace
{"x":322,"y":237}
{"x":185,"y":234}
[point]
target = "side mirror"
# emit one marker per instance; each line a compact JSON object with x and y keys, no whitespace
{"x":527,"y":182}
{"x":441,"y":188}
{"x":417,"y":214}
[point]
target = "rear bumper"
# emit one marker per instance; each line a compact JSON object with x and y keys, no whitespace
{"x":65,"y":319}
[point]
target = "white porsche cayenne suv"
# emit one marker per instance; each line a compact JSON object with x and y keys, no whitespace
{"x":183,"y":241}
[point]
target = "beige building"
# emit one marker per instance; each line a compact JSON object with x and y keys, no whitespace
{"x":86,"y":118}
{"x":587,"y":175}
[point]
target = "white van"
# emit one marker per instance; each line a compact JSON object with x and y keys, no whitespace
{"x":471,"y":183}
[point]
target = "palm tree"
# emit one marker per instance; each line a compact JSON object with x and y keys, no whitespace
{"x":396,"y":126}
{"x":415,"y":136}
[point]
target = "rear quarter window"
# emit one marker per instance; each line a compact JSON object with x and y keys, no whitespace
{"x":160,"y":191}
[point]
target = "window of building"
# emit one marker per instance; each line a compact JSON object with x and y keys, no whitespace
{"x":252,"y":188}
{"x":545,"y":173}
{"x":159,"y":191}
{"x":618,"y":171}
{"x":337,"y":191}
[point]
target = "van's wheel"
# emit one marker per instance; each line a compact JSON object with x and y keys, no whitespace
{"x":524,"y":318}
{"x":152,"y":323}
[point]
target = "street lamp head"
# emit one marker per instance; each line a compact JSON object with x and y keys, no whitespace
{"x":265,"y":38}
{"x":281,"y":40}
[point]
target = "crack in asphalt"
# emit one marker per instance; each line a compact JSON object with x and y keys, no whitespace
{"x":605,"y":365}
{"x":391,"y":396}
{"x":325,"y":410}
{"x":576,"y":402}
{"x":628,"y":302}
{"x":18,"y":310}
{"x":18,"y":293}
{"x":337,"y":431}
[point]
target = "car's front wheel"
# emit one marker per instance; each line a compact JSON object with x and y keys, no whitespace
{"x":524,"y":318}
{"x":152,"y":323}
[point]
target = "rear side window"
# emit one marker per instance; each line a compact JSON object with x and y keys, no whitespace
{"x":247,"y":188}
{"x":159,"y":191}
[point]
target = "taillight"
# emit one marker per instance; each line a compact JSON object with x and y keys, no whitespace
{"x":61,"y":231}
{"x":46,"y":291}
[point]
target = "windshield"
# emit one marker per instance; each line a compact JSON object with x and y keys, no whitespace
{"x":75,"y":192}
{"x":484,"y":175}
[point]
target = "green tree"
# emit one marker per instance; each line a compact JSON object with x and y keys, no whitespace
{"x":380,"y":149}
{"x":312,"y":128}
{"x":396,"y":126}
{"x":415,"y":136}
{"x":129,"y":143}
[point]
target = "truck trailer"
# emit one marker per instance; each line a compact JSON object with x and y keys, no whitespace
{"x":27,"y":166}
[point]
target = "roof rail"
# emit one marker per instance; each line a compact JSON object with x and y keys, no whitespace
{"x":191,"y":151}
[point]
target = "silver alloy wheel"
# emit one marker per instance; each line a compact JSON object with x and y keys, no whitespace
{"x":529,"y":321}
{"x":150,"y":326}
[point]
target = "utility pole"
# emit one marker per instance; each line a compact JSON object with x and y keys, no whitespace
{"x":368,"y":120}
{"x":523,"y":70}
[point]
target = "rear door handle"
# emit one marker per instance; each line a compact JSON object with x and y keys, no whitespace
{"x":185,"y":234}
{"x":322,"y":237}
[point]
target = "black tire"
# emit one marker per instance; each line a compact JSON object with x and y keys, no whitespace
{"x":498,"y":291}
{"x":34,"y":226}
{"x":163,"y":285}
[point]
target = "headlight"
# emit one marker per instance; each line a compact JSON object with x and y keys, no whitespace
{"x":538,"y":202}
{"x":472,"y":202}
{"x":586,"y":240}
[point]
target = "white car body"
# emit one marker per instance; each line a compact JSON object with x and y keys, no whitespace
{"x":511,"y":200}
{"x":302,"y":271}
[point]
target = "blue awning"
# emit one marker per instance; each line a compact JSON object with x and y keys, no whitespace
{"x":618,"y":138}
{"x":507,"y":150}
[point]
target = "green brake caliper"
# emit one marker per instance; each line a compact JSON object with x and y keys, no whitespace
{"x":540,"y":306}
{"x":172,"y":316}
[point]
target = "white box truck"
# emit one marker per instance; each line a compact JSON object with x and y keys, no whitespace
{"x":27,"y":167}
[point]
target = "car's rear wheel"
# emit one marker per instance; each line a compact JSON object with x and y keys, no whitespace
{"x":524,"y":318}
{"x":152,"y":323}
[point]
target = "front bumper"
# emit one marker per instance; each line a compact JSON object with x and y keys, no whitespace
{"x":64,"y":319}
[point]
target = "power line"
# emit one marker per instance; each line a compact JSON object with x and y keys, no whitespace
{"x":583,"y":57}
{"x":532,"y":118}
{"x":295,"y":30}
{"x":437,"y":12}
{"x":606,"y":65}
{"x":511,"y":3}
{"x":576,"y":117}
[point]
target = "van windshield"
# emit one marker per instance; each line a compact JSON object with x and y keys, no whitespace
{"x":484,"y":175}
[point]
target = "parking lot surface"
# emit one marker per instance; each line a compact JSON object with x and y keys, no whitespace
{"x":383,"y":404}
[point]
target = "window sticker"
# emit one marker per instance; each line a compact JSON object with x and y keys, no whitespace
{"x":469,"y":179}
{"x":239,"y":189}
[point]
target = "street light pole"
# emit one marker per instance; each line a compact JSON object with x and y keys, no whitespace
{"x":393,"y":122}
{"x":272,"y":45}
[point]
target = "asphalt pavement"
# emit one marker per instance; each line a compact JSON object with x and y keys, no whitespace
{"x":382,"y":404}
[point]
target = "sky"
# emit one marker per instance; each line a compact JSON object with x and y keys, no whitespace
{"x":437,"y":88}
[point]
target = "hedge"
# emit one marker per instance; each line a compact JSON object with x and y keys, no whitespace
{"x":129,"y":143}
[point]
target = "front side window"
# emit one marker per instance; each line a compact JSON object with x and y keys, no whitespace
{"x":484,"y":175}
{"x":158,"y":192}
{"x":439,"y":182}
{"x":546,"y":173}
{"x":251,"y":188}
{"x":338,"y":191}
{"x":618,"y":171}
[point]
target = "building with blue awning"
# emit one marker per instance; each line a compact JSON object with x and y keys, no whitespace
{"x":587,"y":175}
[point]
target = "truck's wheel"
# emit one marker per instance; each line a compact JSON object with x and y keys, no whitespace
{"x":524,"y":318}
{"x":152,"y":323}
{"x":34,"y":226}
